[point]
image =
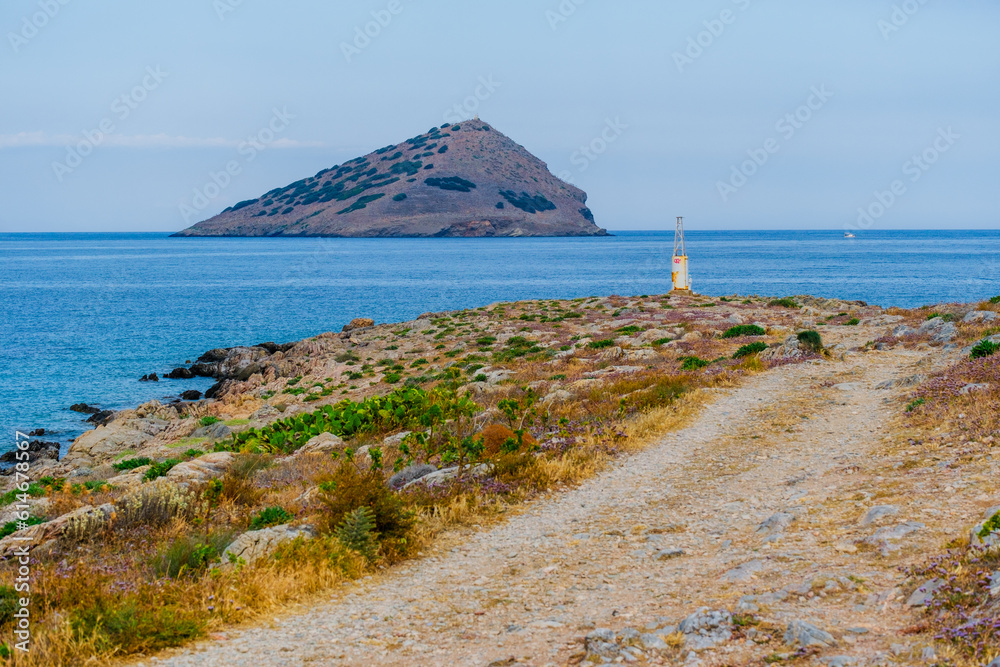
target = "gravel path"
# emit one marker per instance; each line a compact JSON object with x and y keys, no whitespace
{"x":798,"y":440}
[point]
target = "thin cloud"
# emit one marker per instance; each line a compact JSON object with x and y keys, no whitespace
{"x":35,"y":139}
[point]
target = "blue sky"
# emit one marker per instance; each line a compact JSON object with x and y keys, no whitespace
{"x":737,"y":114}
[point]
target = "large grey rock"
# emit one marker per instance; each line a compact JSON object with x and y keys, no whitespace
{"x":323,"y":443}
{"x":939,"y":330}
{"x":924,"y":593}
{"x":801,"y":633}
{"x":879,"y":512}
{"x":884,"y":538}
{"x":410,"y":474}
{"x":789,"y":349}
{"x":256,"y":544}
{"x":557,"y":396}
{"x":979,"y":316}
{"x":202,"y":468}
{"x":442,"y":476}
{"x":216,"y":431}
{"x":705,"y":629}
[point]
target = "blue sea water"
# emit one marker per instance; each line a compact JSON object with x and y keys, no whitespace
{"x":85,"y":315}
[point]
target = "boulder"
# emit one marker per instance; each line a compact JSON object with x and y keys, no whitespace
{"x":744,"y":572}
{"x":705,"y":629}
{"x":324,"y":443}
{"x":557,"y":396}
{"x":886,"y":537}
{"x":803,"y":634}
{"x":216,"y":431}
{"x":106,"y":441}
{"x":151,"y":377}
{"x":201,"y":469}
{"x":84,"y":408}
{"x":979,"y":316}
{"x":359,"y":323}
{"x":789,"y":349}
{"x":939,"y":330}
{"x":442,"y":476}
{"x":191,"y":395}
{"x":180,"y":374}
{"x":81,"y":522}
{"x":410,"y":474}
{"x":256,"y":544}
{"x":102,"y":418}
{"x":265,"y":412}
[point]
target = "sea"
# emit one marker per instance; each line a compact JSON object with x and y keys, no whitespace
{"x":84,"y":316}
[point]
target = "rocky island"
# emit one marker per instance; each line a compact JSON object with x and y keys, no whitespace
{"x":462,"y":180}
{"x":671,"y":479}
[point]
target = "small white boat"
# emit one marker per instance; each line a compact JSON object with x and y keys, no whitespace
{"x":849,"y":235}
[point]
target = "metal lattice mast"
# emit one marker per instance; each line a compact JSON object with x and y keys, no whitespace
{"x":679,"y":249}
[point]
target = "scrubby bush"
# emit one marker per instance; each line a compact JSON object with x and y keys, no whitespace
{"x":357,"y":532}
{"x":693,"y":363}
{"x":811,"y":340}
{"x":159,"y":469}
{"x":361,"y":203}
{"x":190,"y":554}
{"x":984,"y":348}
{"x":454,"y":183}
{"x":995,"y":300}
{"x":853,"y":322}
{"x":527,"y":203}
{"x":400,"y":197}
{"x":270,"y":516}
{"x":132,"y":464}
{"x":155,"y":504}
{"x":747,"y":350}
{"x":349,"y":489}
{"x":600,"y":344}
{"x":744,"y":330}
{"x":786,"y":302}
{"x":208,"y":420}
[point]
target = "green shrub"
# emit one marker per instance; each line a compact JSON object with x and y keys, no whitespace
{"x":159,"y":469}
{"x":400,"y":197}
{"x":991,"y":526}
{"x":913,"y":405}
{"x":995,"y":300}
{"x":123,"y":627}
{"x":350,"y":489}
{"x":361,"y":203}
{"x":526,"y":202}
{"x":8,"y":604}
{"x":631,"y":329}
{"x":661,"y":341}
{"x":357,"y":532}
{"x":132,"y":464}
{"x":453,"y":183}
{"x":747,"y":350}
{"x":786,"y":302}
{"x":34,"y":491}
{"x":853,"y":322}
{"x":270,"y":516}
{"x":811,"y":340}
{"x":984,"y":348}
{"x":600,"y":344}
{"x":692,"y":363}
{"x":208,"y":420}
{"x":744,"y":330}
{"x":191,"y":553}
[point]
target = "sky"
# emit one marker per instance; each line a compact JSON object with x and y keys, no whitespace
{"x":737,"y":114}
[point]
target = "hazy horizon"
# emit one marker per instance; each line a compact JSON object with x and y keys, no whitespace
{"x":123,"y":113}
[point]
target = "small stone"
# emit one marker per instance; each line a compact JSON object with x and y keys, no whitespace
{"x":776,"y":523}
{"x":806,"y":634}
{"x":651,"y":642}
{"x":879,"y":512}
{"x":744,"y":572}
{"x":668,"y":554}
{"x":924,"y":593}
